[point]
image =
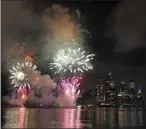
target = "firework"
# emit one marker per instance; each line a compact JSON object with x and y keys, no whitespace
{"x":70,"y":82}
{"x":22,"y":93}
{"x":22,"y":52}
{"x":70,"y":87}
{"x":72,"y":92}
{"x":29,"y":54}
{"x":72,"y":60}
{"x":24,"y":75}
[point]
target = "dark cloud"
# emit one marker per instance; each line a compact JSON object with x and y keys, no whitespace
{"x":120,"y":72}
{"x":127,"y":25}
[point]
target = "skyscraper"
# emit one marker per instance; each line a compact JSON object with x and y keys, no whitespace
{"x":112,"y":94}
{"x":107,"y":91}
{"x":97,"y":93}
{"x":139,"y":97}
{"x":124,"y":87}
{"x":101,"y":83}
{"x":108,"y":85}
{"x":109,"y":76}
{"x":102,"y":94}
{"x":123,"y":95}
{"x":132,"y":91}
{"x":131,"y":84}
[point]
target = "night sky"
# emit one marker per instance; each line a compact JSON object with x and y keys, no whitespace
{"x":118,"y":36}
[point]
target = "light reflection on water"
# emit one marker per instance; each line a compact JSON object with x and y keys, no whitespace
{"x":105,"y":118}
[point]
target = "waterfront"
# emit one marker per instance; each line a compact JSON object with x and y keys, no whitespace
{"x":99,"y":118}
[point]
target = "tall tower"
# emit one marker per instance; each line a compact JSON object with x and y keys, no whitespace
{"x":123,"y":95}
{"x":109,"y":76}
{"x":112,"y":94}
{"x":101,"y":83}
{"x":132,"y":91}
{"x":123,"y":88}
{"x":107,"y":91}
{"x":112,"y":84}
{"x":107,"y":86}
{"x":131,"y":84}
{"x":102,"y":94}
{"x":97,"y":93}
{"x":139,"y":97}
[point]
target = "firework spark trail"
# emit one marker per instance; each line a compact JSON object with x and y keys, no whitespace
{"x":70,"y":90}
{"x":25,"y":52}
{"x":70,"y":82}
{"x":20,"y":53}
{"x":22,"y":94}
{"x":72,"y":60}
{"x":24,"y":75}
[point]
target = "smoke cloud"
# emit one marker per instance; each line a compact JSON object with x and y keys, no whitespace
{"x":42,"y":94}
{"x":65,"y":100}
{"x":128,"y":25}
{"x":57,"y":20}
{"x":18,"y":25}
{"x":44,"y":86}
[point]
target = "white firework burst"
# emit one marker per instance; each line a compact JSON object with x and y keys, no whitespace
{"x":24,"y":75}
{"x":72,"y":60}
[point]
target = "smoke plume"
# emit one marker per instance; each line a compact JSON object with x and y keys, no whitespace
{"x":42,"y":94}
{"x":57,"y":20}
{"x":65,"y":101}
{"x":45,"y":86}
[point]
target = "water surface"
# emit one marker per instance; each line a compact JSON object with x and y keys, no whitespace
{"x":97,"y":118}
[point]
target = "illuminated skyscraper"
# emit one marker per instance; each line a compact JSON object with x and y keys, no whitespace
{"x":112,"y":94}
{"x":110,"y":76}
{"x":102,"y":94}
{"x":108,"y":86}
{"x":107,"y":91}
{"x":131,"y":84}
{"x":132,"y":91}
{"x":139,"y":97}
{"x":123,"y":87}
{"x":98,"y":90}
{"x":97,"y":93}
{"x":123,"y":95}
{"x":101,"y":83}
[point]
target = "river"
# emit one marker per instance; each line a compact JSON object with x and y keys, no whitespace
{"x":96,"y":118}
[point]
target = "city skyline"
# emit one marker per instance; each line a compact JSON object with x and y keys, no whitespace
{"x":105,"y":92}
